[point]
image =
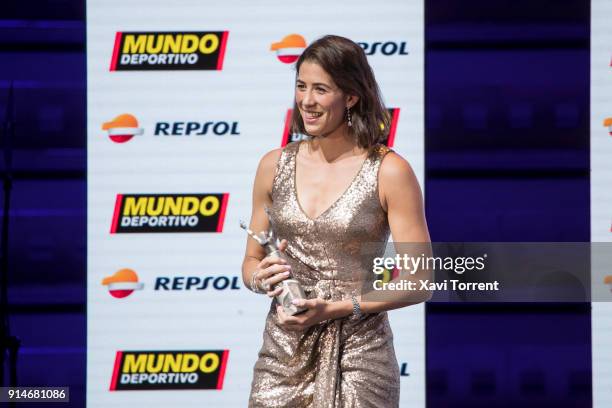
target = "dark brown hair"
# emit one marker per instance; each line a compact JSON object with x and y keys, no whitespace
{"x":347,"y":65}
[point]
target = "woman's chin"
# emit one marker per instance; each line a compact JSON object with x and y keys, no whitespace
{"x":313,"y":132}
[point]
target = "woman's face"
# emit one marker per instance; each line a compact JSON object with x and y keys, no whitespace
{"x":321,"y":103}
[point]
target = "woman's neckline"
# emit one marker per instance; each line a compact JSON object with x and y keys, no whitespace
{"x":335,"y":202}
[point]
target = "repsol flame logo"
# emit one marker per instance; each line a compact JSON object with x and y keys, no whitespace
{"x":289,"y":49}
{"x":169,"y":213}
{"x":169,"y":370}
{"x":122,"y":283}
{"x":144,"y":51}
{"x":289,"y":137}
{"x":122,"y":128}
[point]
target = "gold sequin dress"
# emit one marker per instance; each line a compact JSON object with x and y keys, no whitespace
{"x":348,"y":362}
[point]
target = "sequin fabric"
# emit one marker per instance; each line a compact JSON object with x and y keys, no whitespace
{"x":348,"y":362}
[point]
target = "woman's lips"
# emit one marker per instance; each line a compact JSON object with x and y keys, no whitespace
{"x":311,"y":117}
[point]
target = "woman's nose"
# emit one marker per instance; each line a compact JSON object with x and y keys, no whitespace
{"x":307,"y":99}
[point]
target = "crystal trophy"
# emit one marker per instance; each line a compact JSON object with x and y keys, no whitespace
{"x":291,"y":288}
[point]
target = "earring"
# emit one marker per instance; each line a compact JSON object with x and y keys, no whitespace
{"x":349,"y":119}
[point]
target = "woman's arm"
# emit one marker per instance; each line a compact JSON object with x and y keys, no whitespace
{"x":401,"y":197}
{"x":255,"y":260}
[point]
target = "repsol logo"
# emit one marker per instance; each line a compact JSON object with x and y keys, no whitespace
{"x":145,"y":51}
{"x":190,"y":283}
{"x":169,"y":370}
{"x":169,"y":213}
{"x":387,"y":48}
{"x":196,"y":128}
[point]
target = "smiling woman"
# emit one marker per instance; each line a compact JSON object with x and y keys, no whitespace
{"x":328,"y":68}
{"x":327,"y":196}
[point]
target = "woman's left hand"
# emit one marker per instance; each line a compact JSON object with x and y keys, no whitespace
{"x":318,"y":311}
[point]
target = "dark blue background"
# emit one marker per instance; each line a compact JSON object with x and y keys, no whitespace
{"x":507,"y":159}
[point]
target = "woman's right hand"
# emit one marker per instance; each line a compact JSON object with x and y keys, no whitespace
{"x":272,"y":270}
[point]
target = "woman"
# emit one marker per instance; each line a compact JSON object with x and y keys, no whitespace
{"x":328,"y":196}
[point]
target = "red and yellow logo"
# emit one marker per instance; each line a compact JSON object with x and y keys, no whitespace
{"x":123,"y":128}
{"x":608,"y":123}
{"x":289,"y":49}
{"x":122,"y":283}
{"x":150,"y":213}
{"x":169,"y":370}
{"x":170,"y":51}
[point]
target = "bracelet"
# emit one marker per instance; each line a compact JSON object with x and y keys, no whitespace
{"x":254,"y":286}
{"x":356,"y":307}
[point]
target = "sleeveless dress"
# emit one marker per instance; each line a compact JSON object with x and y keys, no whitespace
{"x":348,"y":362}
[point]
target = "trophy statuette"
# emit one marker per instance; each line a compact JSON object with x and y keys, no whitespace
{"x":291,"y":288}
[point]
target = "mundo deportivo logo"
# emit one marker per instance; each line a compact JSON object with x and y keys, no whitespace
{"x":152,"y":213}
{"x":169,"y":370}
{"x":156,"y":51}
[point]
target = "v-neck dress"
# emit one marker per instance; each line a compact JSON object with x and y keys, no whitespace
{"x":347,"y":362}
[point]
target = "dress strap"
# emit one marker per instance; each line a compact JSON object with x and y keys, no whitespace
{"x":379,"y":151}
{"x":377,"y":154}
{"x":284,"y":167}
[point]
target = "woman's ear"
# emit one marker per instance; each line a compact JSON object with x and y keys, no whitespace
{"x":351,"y":100}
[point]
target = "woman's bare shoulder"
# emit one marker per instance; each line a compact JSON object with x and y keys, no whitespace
{"x":268,"y":161}
{"x":266,"y":171}
{"x":395,"y":168}
{"x":397,"y":181}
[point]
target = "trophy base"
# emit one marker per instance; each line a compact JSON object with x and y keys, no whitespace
{"x":291,"y":290}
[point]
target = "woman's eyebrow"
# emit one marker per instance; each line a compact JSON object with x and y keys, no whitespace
{"x":315,"y":84}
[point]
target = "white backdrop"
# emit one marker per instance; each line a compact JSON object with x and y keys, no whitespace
{"x":180,"y":144}
{"x":601,"y":192}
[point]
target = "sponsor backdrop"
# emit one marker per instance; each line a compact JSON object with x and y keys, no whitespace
{"x":184,"y":98}
{"x":601,"y":194}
